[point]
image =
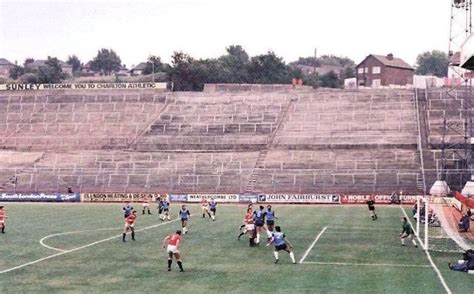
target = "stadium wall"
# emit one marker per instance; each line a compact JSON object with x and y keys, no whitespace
{"x":210,"y":88}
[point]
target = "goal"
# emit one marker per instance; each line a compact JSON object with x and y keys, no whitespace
{"x":434,"y":226}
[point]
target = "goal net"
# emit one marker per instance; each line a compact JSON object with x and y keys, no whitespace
{"x":435,"y":228}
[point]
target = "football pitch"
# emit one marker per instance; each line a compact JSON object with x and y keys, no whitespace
{"x":339,"y":249}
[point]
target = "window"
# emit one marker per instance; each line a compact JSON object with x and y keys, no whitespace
{"x":376,"y":70}
{"x":360,"y":70}
{"x":366,"y":70}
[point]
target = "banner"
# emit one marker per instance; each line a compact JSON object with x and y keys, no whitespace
{"x":217,"y":197}
{"x":379,"y":199}
{"x":178,"y":197}
{"x":469,"y":202}
{"x":81,"y":86}
{"x":300,"y":198}
{"x":41,"y":197}
{"x":120,"y":197}
{"x":248,"y":198}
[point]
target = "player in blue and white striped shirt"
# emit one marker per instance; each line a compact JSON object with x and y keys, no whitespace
{"x":281,"y":243}
{"x":164,"y":206}
{"x":213,"y":208}
{"x":127,"y":209}
{"x":270,"y":220}
{"x":184,"y":214}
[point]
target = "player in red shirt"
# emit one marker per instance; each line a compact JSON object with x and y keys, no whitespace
{"x":250,"y":226}
{"x":146,"y":204}
{"x":205,"y":207}
{"x":172,"y":243}
{"x":2,"y":219}
{"x":130,"y":225}
{"x":243,"y":227}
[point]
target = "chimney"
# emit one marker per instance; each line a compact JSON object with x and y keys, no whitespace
{"x":390,"y":56}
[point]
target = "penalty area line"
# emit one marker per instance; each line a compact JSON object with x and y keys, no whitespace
{"x":312,"y":244}
{"x":80,"y":248}
{"x":348,"y":228}
{"x":440,"y":276}
{"x":366,"y":264}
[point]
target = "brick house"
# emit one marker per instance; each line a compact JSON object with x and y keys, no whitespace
{"x":383,"y":71}
{"x":5,"y":67}
{"x":138,"y":70}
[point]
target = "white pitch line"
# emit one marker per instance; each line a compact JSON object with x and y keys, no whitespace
{"x":362,"y":228}
{"x":312,"y":244}
{"x":440,"y":276}
{"x":365,"y":264}
{"x":49,"y":247}
{"x":79,"y":248}
{"x":70,"y":233}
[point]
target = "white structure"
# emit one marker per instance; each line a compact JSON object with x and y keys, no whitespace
{"x":350,"y":83}
{"x":427,"y":82}
{"x":469,"y":188}
{"x":467,"y":53}
{"x":440,"y":188}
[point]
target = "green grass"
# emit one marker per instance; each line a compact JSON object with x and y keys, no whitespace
{"x":213,"y":259}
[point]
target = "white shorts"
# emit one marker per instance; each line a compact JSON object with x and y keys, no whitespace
{"x":127,"y":225}
{"x":405,"y":235}
{"x":172,"y":249}
{"x":250,"y":227}
{"x":145,"y":205}
{"x":2,"y":221}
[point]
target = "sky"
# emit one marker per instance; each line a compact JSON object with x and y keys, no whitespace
{"x":136,"y":29}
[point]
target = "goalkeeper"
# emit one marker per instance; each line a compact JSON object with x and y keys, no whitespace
{"x":371,"y":206}
{"x":464,"y":265}
{"x":407,"y":232}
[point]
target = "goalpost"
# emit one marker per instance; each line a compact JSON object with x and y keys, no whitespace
{"x":433,"y":228}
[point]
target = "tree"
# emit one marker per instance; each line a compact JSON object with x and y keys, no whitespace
{"x":234,"y":65}
{"x":330,"y":80}
{"x":311,"y":80}
{"x":214,"y":71}
{"x":106,"y":61}
{"x":28,"y":61}
{"x":75,"y":62}
{"x":309,"y":61}
{"x":432,"y":63}
{"x":153,"y":65}
{"x":348,"y":72}
{"x":326,"y":60}
{"x":342,"y":68}
{"x":28,"y":78}
{"x":268,"y":69}
{"x":186,"y":73}
{"x":51,"y":72}
{"x":336,"y":60}
{"x":16,"y":71}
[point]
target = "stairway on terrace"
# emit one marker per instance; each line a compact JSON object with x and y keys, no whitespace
{"x":217,"y":121}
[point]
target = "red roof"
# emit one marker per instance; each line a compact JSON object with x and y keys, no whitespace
{"x":392,"y":62}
